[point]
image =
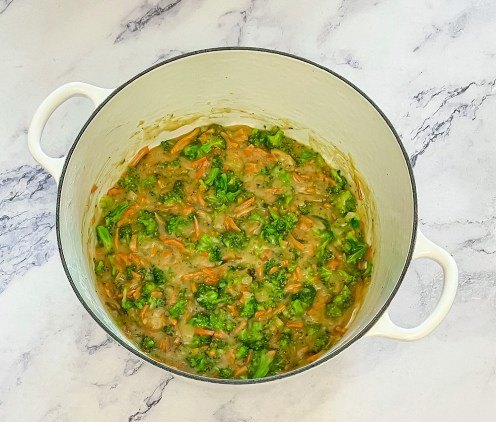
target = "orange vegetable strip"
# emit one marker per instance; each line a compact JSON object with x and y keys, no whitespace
{"x":296,"y":243}
{"x":141,"y":153}
{"x":203,"y":332}
{"x":184,"y":141}
{"x":294,"y":324}
{"x":230,"y":224}
{"x":115,"y":191}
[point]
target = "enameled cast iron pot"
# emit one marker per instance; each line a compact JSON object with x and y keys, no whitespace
{"x":254,"y":86}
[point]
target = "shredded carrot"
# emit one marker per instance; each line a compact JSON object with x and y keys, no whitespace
{"x":296,"y":243}
{"x":241,"y":371}
{"x":115,"y":191}
{"x":203,"y":332}
{"x":184,"y":141}
{"x":197,"y":228}
{"x":199,"y":163}
{"x":93,"y":188}
{"x":141,"y":153}
{"x":260,"y":314}
{"x":340,"y":330}
{"x":143,"y":312}
{"x":245,"y":204}
{"x":294,"y":324}
{"x":273,"y":270}
{"x":239,"y":328}
{"x":306,"y":222}
{"x":220,"y":335}
{"x":313,"y":358}
{"x":173,"y":321}
{"x":116,"y":238}
{"x":156,"y":293}
{"x":133,"y":244}
{"x":230,"y":224}
{"x":173,"y":242}
{"x":296,"y":177}
{"x":292,"y":288}
{"x":266,"y":254}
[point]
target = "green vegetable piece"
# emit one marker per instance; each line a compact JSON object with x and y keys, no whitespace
{"x":179,"y":308}
{"x":106,"y":202}
{"x":158,"y":275}
{"x":262,"y":364}
{"x":305,"y":208}
{"x":200,"y":361}
{"x":149,"y":182}
{"x":150,"y":225}
{"x":147,"y":344}
{"x":303,"y":299}
{"x":125,"y":233}
{"x":253,"y":337}
{"x":104,"y":236}
{"x":211,"y":245}
{"x":341,"y":182}
{"x":234,"y":239}
{"x":175,"y":224}
{"x":279,"y":227}
{"x":130,"y":180}
{"x":340,"y":303}
{"x":345,"y":202}
{"x":355,"y":249}
{"x":115,"y":215}
{"x":167,"y":145}
{"x":99,"y":268}
{"x":249,"y":308}
{"x":225,"y":372}
{"x":242,"y":352}
{"x":175,"y":195}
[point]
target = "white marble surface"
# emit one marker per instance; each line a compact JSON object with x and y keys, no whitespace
{"x":430,"y":65}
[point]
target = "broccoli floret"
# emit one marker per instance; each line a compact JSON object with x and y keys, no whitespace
{"x":115,"y":215}
{"x":278,"y":278}
{"x":326,"y":237}
{"x":279,"y":227}
{"x":225,"y":372}
{"x":147,"y":344}
{"x":99,"y":268}
{"x":175,"y":195}
{"x":106,"y":202}
{"x":318,"y":338}
{"x":167,"y":145}
{"x":249,"y":308}
{"x":340,"y":303}
{"x":104,"y":236}
{"x":226,"y":185}
{"x":175,"y":224}
{"x":200,"y":340}
{"x":345,"y":202}
{"x":253,"y":337}
{"x":125,"y":233}
{"x":268,"y":139}
{"x":198,"y":149}
{"x":306,"y":154}
{"x":242,"y":352}
{"x":158,"y":275}
{"x":210,"y":296}
{"x":150,"y":225}
{"x":200,"y":361}
{"x":355,"y":249}
{"x":305,"y":208}
{"x":220,"y":321}
{"x":261,"y":364}
{"x":179,"y":308}
{"x":234,"y":239}
{"x":211,"y":245}
{"x":149,"y":182}
{"x":340,"y":180}
{"x":303,"y":299}
{"x":130,"y":180}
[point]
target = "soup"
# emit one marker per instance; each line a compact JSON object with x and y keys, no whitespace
{"x":232,"y":252}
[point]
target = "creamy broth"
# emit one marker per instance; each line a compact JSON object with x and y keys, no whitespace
{"x":231,"y":252}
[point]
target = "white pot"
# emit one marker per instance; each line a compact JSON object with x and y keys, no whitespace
{"x":256,"y":87}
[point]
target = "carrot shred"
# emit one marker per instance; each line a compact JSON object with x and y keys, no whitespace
{"x":241,"y":371}
{"x":184,"y":141}
{"x":239,"y":327}
{"x":313,"y":358}
{"x":203,"y":332}
{"x":197,"y":228}
{"x":230,"y":224}
{"x":140,"y":154}
{"x":173,"y":242}
{"x":93,"y":188}
{"x":250,"y":168}
{"x":296,"y":243}
{"x":133,"y":244}
{"x":333,"y":264}
{"x":115,"y":191}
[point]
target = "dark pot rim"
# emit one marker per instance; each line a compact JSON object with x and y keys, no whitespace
{"x":340,"y":347}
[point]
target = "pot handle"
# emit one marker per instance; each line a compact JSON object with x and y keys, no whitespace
{"x":47,"y":107}
{"x":424,"y":248}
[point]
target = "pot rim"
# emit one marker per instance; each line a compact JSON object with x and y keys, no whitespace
{"x":296,"y":371}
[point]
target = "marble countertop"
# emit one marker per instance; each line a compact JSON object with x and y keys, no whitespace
{"x":429,"y":64}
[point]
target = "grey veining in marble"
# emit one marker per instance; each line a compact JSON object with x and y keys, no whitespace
{"x":430,"y":65}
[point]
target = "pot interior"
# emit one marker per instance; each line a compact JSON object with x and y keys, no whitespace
{"x":251,"y":87}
